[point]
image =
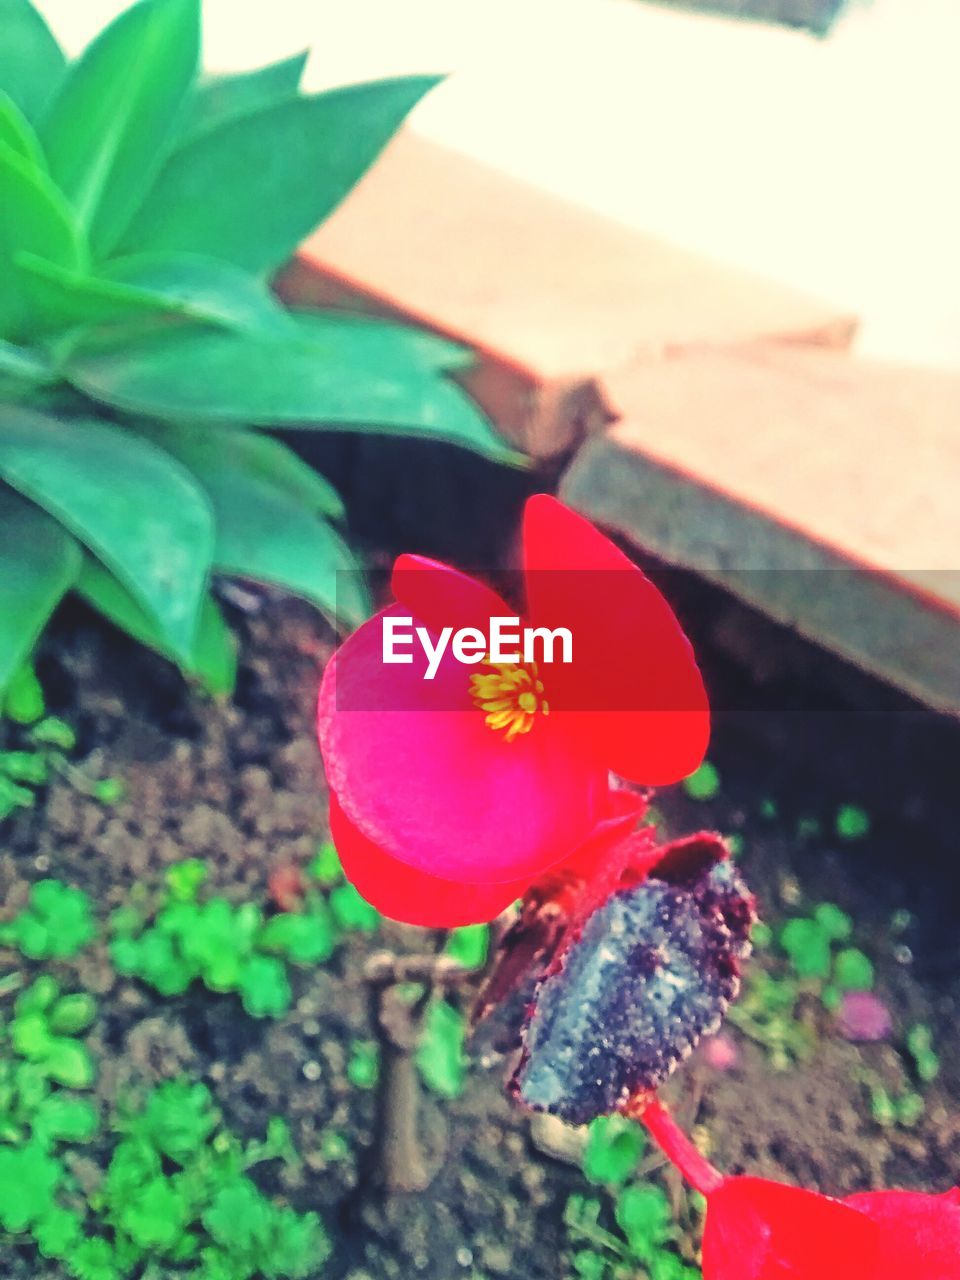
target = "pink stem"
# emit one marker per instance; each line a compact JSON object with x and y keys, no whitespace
{"x":675,"y":1144}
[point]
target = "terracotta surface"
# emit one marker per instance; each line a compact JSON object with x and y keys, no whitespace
{"x":765,"y":467}
{"x":550,"y":293}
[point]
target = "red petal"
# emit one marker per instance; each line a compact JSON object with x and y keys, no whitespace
{"x":633,"y":690}
{"x":920,"y":1234}
{"x":760,"y":1230}
{"x":417,"y":770}
{"x":412,"y":897}
{"x":443,"y":597}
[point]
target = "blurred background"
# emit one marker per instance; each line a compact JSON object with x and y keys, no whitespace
{"x":822,"y":162}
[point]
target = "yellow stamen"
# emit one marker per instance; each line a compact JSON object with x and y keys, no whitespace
{"x":510,"y":695}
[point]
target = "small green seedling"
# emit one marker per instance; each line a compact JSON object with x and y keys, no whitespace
{"x":56,"y":924}
{"x":363,"y":1065}
{"x":643,"y":1245}
{"x":177,"y":1199}
{"x":469,"y":945}
{"x":735,"y":843}
{"x":44,"y":746}
{"x":226,"y":947}
{"x":773,"y":1010}
{"x":703,"y":783}
{"x":632,"y":1232}
{"x":904,"y":1107}
{"x":768,"y":1012}
{"x":44,"y":1032}
{"x":325,"y":866}
{"x":852,"y":822}
{"x":441,"y":1059}
{"x":920,"y":1047}
{"x":615,"y":1146}
{"x":353,"y":912}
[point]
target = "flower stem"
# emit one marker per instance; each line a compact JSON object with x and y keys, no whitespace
{"x":675,"y":1144}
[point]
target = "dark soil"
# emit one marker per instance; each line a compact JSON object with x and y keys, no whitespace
{"x":241,"y":787}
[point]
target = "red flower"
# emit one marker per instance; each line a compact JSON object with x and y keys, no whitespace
{"x":759,"y":1230}
{"x":451,"y":795}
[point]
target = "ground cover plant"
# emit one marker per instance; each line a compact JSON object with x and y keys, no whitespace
{"x":139,"y":340}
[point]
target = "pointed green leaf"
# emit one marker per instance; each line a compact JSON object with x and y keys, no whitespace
{"x":110,"y":127}
{"x":16,"y":133}
{"x":251,"y":188}
{"x":137,"y":509}
{"x":264,"y":532}
{"x":183,"y":285}
{"x":213,"y":660}
{"x":22,"y":365}
{"x":34,"y":217}
{"x":31,"y":62}
{"x":222,"y":98}
{"x":362,"y":375}
{"x":440,"y":1056}
{"x":380,"y":342}
{"x":274,"y":461}
{"x":209,"y":289}
{"x":38,"y":563}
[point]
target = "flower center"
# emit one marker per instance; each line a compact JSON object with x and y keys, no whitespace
{"x":510,"y":694}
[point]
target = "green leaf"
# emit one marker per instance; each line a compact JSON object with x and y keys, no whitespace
{"x":23,"y":701}
{"x":57,"y":1232}
{"x":239,"y":1216}
{"x":348,"y":372}
{"x":703,"y":783}
{"x":264,"y":988}
{"x":852,"y":822}
{"x":178,"y":1119}
{"x":28,"y":1180}
{"x":221,"y":98}
{"x":303,"y":939}
{"x":155,"y":1216}
{"x":39,"y":561}
{"x":363,"y":1065}
{"x":151,"y":285}
{"x":263,"y":531}
{"x":853,"y":971}
{"x":352,"y":911}
{"x":325,"y":866}
{"x":94,"y":1259}
{"x":111,"y":124}
{"x":16,"y":133}
{"x":275,"y":463}
{"x":64,"y":1119}
{"x":20,"y":365}
{"x":184,"y":879}
{"x":277,"y":173}
{"x":34,"y":218}
{"x":469,"y":945}
{"x":69,"y":1063}
{"x":31,"y":62}
{"x":808,"y":946}
{"x":835,"y":923}
{"x":614,"y":1147}
{"x":643,"y":1215}
{"x":130,"y":503}
{"x":213,"y":656}
{"x":73,"y":1014}
{"x":440,"y":1056}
